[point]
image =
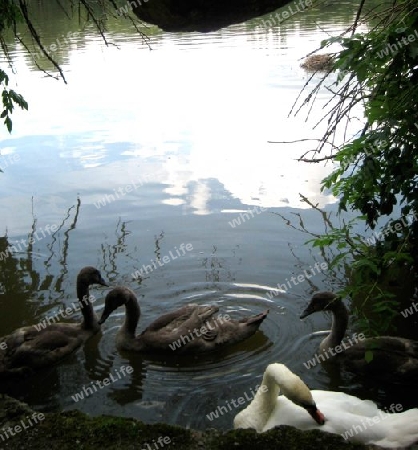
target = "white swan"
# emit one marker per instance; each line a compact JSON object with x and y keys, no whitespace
{"x":354,"y":419}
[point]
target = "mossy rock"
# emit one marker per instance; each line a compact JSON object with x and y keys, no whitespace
{"x":74,"y":430}
{"x":283,"y":437}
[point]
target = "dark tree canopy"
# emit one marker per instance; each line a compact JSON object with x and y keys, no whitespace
{"x":203,"y":15}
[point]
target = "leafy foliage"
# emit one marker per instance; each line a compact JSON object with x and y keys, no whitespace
{"x":368,"y":270}
{"x":382,"y":161}
{"x":9,"y":98}
{"x":377,"y":169}
{"x":9,"y":14}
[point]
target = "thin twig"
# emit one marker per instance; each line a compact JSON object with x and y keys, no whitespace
{"x":34,"y":33}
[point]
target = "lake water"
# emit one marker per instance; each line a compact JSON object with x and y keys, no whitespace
{"x":142,"y":151}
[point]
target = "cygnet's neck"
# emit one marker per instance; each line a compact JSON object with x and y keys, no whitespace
{"x":132,"y":314}
{"x":338,"y":327}
{"x":89,"y":317}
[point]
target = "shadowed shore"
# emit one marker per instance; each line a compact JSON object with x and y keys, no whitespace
{"x":74,"y":430}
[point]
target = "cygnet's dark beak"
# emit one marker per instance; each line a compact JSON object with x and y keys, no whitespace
{"x":307,"y":312}
{"x":106,"y":313}
{"x":102,"y":282}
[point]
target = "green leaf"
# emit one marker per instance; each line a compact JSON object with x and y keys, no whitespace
{"x":366,"y":263}
{"x":8,"y":123}
{"x":368,"y":356}
{"x":10,"y":98}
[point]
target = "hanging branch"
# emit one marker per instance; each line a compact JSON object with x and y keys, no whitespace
{"x":48,"y":74}
{"x":24,"y":10}
{"x":356,"y":20}
{"x":99,"y":27}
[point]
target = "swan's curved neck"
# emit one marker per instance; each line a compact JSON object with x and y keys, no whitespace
{"x":264,"y":401}
{"x":277,"y":377}
{"x":132,"y":313}
{"x":83,"y":295}
{"x":338,"y":327}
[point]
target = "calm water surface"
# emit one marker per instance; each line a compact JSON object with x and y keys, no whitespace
{"x":142,"y":151}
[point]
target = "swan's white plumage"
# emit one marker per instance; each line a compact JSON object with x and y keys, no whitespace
{"x":343,"y":413}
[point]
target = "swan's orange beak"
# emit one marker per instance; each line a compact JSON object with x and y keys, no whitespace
{"x":317,"y":416}
{"x":315,"y":413}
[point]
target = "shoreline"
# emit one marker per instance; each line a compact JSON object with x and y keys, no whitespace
{"x":75,"y":430}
